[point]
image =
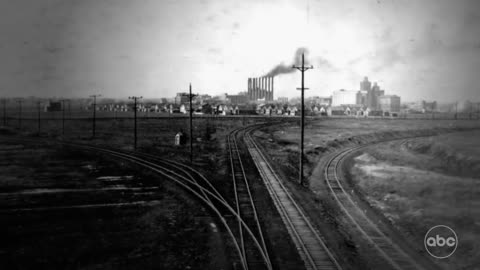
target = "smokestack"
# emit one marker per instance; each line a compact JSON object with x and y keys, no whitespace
{"x":248,"y":87}
{"x":272,"y":86}
{"x":267,"y":97}
{"x":253,"y":88}
{"x":255,"y":96}
{"x":263,"y":87}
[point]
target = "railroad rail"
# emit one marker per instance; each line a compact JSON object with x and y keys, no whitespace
{"x":388,"y":252}
{"x":182,"y":175}
{"x":255,"y":257}
{"x":312,"y":249}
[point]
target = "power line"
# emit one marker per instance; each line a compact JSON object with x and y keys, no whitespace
{"x":302,"y":69}
{"x":135,"y":119}
{"x":94,"y":115}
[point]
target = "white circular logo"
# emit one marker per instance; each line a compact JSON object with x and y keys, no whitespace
{"x":441,"y":241}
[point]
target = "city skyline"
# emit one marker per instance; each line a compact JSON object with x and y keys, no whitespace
{"x":156,"y":48}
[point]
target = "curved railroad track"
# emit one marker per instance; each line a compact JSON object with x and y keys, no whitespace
{"x":186,"y":177}
{"x":389,"y":255}
{"x":311,"y":248}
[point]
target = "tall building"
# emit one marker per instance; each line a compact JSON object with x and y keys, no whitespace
{"x":362,"y":97}
{"x":365,"y":85}
{"x":344,"y":97}
{"x":372,"y":96}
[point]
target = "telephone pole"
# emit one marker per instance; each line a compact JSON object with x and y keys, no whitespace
{"x":94,"y":113}
{"x":456,"y":109}
{"x":5,"y":111}
{"x":302,"y":69}
{"x":39,"y":104}
{"x":190,"y":96}
{"x":478,"y":110}
{"x":63,"y":115}
{"x":135,"y":119}
{"x":19,"y":113}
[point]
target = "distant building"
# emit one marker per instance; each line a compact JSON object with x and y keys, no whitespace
{"x":389,"y":103}
{"x":283,"y":100}
{"x":237,"y":99}
{"x":344,"y":97}
{"x":372,"y":96}
{"x":324,"y":101}
{"x":54,"y":106}
{"x":362,"y":97}
{"x":182,"y":98}
{"x":365,"y":85}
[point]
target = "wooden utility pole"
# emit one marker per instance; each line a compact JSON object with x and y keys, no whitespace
{"x":94,"y":113}
{"x":4,"y":111}
{"x":63,"y":115}
{"x":39,"y":105}
{"x":456,"y":110}
{"x":302,"y":69}
{"x":19,"y":113}
{"x":135,"y":119}
{"x":190,"y":96}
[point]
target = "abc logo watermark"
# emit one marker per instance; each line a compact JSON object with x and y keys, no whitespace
{"x":441,"y":241}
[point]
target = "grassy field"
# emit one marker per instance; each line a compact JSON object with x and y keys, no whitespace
{"x":323,"y":136}
{"x":433,"y":176}
{"x":66,"y":209}
{"x":424,"y":183}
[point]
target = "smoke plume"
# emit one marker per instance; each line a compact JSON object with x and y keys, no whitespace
{"x":285,"y":69}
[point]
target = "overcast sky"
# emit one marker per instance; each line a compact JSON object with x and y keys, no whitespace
{"x":418,"y":49}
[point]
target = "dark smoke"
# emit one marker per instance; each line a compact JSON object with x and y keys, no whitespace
{"x":285,"y":69}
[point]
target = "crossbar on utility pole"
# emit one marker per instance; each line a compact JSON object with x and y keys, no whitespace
{"x":135,"y":120}
{"x":94,"y":113}
{"x":302,"y":69}
{"x":190,"y":96}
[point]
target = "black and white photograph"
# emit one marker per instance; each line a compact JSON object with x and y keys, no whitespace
{"x":240,"y":135}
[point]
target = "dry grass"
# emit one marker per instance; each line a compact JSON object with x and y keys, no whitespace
{"x":419,"y":190}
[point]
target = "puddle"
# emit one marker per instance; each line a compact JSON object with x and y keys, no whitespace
{"x":115,"y":178}
{"x":7,"y":147}
{"x":140,"y":190}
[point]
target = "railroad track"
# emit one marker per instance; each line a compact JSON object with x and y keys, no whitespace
{"x":311,"y":247}
{"x":186,"y":177}
{"x":256,"y":257}
{"x":389,"y":255}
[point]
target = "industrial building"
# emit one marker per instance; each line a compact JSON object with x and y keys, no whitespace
{"x":389,"y":103}
{"x":260,"y":88}
{"x":369,"y":94}
{"x":237,"y":99}
{"x":344,"y":97}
